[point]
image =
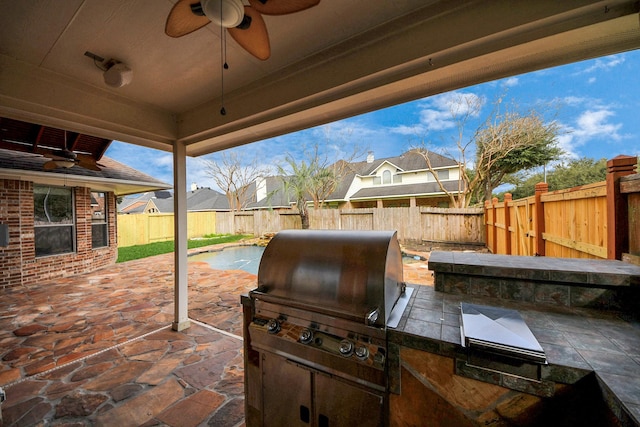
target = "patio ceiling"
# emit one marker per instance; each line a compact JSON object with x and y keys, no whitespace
{"x":332,"y":61}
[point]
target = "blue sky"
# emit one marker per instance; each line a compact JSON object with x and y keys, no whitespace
{"x":595,"y":102}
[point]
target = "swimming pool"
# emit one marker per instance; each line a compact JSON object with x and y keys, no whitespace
{"x":245,"y":258}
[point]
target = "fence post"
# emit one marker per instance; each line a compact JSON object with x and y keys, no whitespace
{"x":490,"y":245}
{"x":541,"y":188}
{"x":617,"y":209}
{"x":507,"y":223}
{"x":494,"y":203}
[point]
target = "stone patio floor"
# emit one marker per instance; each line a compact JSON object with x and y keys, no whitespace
{"x":98,"y":349}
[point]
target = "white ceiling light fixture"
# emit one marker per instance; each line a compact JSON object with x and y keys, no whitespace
{"x":66,"y":164}
{"x":116,"y":74}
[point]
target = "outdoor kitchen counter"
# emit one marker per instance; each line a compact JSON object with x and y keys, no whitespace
{"x":576,"y":341}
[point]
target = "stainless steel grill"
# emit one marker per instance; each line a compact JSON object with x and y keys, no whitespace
{"x":317,"y":328}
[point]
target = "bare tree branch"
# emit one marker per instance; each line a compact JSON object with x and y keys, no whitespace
{"x":234,"y":178}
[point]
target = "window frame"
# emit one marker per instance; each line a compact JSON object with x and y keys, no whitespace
{"x":56,"y":225}
{"x":104,"y":222}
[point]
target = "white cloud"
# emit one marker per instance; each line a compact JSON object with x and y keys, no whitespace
{"x":573,"y":101}
{"x":590,"y":125}
{"x":593,"y":124}
{"x":603,"y":64}
{"x":415,"y":130}
{"x":440,"y":112}
{"x":511,"y":82}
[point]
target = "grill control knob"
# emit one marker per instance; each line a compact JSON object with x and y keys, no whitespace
{"x":306,"y":336}
{"x":378,"y":358}
{"x":273,"y":326}
{"x":362,"y":352}
{"x":346,"y":348}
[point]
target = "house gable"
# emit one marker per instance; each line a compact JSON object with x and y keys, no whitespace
{"x":405,"y":176}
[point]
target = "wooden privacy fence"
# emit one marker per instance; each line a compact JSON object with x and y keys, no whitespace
{"x":140,"y":229}
{"x":597,"y":221}
{"x":462,"y":226}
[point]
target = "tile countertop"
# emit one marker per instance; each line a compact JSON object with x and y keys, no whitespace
{"x":575,"y":340}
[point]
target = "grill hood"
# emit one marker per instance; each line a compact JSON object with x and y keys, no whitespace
{"x":356,"y":275}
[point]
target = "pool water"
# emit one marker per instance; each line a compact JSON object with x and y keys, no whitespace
{"x":245,"y":258}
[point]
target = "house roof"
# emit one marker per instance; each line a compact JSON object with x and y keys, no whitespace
{"x":204,"y":199}
{"x":113,"y":176}
{"x":201,"y":199}
{"x":409,"y":161}
{"x":404,"y":190}
{"x":163,"y":205}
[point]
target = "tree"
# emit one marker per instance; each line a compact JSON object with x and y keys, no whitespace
{"x":505,"y":143}
{"x":514,"y":143}
{"x":234,"y":177}
{"x":572,"y":173}
{"x":298,"y":183}
{"x":313,"y":179}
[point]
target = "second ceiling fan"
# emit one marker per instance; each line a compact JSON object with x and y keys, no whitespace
{"x":244,"y":23}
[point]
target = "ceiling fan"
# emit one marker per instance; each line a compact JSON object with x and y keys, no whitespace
{"x":66,"y":158}
{"x":244,"y":23}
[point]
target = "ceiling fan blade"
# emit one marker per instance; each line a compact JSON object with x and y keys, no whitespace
{"x":282,"y":7}
{"x":182,"y":21}
{"x":50,"y":165}
{"x":255,"y":38}
{"x":87,"y":162}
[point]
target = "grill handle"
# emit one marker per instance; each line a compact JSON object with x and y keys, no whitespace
{"x":305,"y":414}
{"x":372,"y":316}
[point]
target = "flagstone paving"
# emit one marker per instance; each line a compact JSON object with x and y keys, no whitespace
{"x":98,"y":349}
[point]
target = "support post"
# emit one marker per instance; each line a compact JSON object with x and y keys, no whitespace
{"x":180,"y":292}
{"x":541,"y":188}
{"x":617,"y":209}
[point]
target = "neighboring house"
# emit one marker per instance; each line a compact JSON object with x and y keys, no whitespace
{"x":390,"y":182}
{"x":398,"y":181}
{"x":268,"y":193}
{"x":147,"y":202}
{"x":198,"y":200}
{"x":206,"y":199}
{"x":61,"y":221}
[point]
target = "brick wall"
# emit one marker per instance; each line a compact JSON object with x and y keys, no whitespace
{"x":18,"y":263}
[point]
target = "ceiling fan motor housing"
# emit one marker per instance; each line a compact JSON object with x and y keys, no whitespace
{"x":226,"y":13}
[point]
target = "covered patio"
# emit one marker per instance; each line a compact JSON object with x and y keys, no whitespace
{"x":94,"y":350}
{"x":328,"y":62}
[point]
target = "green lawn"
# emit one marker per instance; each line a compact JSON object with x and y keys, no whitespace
{"x":142,"y":251}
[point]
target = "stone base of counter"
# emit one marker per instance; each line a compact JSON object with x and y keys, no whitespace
{"x":600,"y":284}
{"x":433,"y":395}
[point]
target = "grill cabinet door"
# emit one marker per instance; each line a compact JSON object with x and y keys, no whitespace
{"x":286,"y":391}
{"x":341,"y":404}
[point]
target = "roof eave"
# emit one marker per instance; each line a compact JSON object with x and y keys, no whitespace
{"x":118,"y":186}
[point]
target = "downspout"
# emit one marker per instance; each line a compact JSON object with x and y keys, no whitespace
{"x":181,"y":316}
